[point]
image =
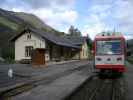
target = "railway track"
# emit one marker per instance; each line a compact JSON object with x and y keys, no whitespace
{"x":119,"y":90}
{"x":100,"y":89}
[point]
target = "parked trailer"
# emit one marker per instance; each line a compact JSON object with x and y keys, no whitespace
{"x":109,"y":52}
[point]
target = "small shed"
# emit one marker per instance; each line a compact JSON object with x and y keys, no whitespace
{"x":38,"y":56}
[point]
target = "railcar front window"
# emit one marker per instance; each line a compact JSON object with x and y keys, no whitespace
{"x":108,"y":47}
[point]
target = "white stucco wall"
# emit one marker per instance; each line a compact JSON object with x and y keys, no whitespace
{"x":84,"y":54}
{"x":22,"y":41}
{"x":47,"y":56}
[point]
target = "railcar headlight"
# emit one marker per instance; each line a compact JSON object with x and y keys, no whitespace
{"x":99,"y":59}
{"x":119,"y":59}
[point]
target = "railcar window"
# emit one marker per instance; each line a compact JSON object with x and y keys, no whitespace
{"x":108,"y":47}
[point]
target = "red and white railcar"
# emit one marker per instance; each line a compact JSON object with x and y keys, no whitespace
{"x":109,"y":52}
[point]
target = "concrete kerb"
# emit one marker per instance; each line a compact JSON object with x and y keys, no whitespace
{"x":61,"y":62}
{"x":51,"y":63}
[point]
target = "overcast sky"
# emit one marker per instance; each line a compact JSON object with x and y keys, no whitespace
{"x":89,"y":16}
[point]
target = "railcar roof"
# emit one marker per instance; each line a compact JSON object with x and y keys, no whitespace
{"x":110,"y":35}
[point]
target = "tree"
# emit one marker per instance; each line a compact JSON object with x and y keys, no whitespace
{"x":89,"y":41}
{"x":71,"y":30}
{"x":74,"y":31}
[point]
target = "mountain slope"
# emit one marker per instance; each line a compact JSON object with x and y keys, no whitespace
{"x":33,"y":20}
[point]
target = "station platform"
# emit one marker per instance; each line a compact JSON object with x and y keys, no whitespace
{"x":57,"y":81}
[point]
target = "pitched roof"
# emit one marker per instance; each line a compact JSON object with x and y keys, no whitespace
{"x":76,"y":40}
{"x":48,"y":36}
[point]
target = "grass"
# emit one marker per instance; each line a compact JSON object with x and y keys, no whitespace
{"x":130,"y":59}
{"x":8,"y":23}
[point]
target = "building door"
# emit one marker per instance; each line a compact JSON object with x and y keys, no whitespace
{"x":38,"y":57}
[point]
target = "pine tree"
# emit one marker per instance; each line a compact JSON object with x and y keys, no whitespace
{"x":74,"y":31}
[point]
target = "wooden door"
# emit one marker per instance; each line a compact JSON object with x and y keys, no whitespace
{"x":38,"y":57}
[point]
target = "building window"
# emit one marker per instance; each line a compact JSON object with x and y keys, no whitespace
{"x":28,"y":51}
{"x":40,"y":45}
{"x":28,"y":36}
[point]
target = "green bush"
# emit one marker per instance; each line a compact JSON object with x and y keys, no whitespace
{"x":7,"y":53}
{"x":130,"y":59}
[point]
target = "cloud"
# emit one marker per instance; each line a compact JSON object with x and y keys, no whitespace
{"x":93,"y":26}
{"x":35,"y":4}
{"x":96,"y":20}
{"x":92,"y":30}
{"x":13,"y":4}
{"x":38,"y":3}
{"x":123,"y":16}
{"x":57,"y":13}
{"x":102,"y":2}
{"x":107,"y":14}
{"x":56,"y":19}
{"x":48,"y":3}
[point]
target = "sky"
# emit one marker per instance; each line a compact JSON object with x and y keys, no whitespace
{"x":89,"y":16}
